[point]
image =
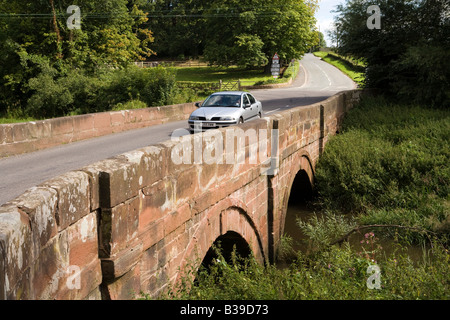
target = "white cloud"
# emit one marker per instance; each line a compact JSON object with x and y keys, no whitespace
{"x":324,"y":16}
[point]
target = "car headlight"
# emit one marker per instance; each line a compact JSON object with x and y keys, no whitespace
{"x":227,"y":119}
{"x":194,"y":118}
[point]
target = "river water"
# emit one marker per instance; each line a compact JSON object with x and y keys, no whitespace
{"x":300,"y":241}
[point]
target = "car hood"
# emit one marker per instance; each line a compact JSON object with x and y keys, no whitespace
{"x":210,"y":112}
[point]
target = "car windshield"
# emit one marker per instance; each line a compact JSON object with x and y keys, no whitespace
{"x":219,"y":100}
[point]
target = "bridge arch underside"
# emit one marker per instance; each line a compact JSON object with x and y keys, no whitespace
{"x":229,"y":224}
{"x":295,"y":184}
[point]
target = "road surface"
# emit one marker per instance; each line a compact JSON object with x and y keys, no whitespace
{"x":316,"y":82}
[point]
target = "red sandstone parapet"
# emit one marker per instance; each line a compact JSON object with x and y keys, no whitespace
{"x":127,"y":224}
{"x":31,"y":136}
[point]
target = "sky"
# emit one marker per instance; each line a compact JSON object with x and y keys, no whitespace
{"x":325,"y":17}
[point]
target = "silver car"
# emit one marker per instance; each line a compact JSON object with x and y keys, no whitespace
{"x":222,"y":109}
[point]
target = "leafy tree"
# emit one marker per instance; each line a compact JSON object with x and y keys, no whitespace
{"x":226,"y":32}
{"x":178,"y":26}
{"x":36,"y":45}
{"x":321,"y":44}
{"x":283,"y":27}
{"x":407,"y":56}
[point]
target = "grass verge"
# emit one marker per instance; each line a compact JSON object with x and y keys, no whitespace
{"x":354,"y":70}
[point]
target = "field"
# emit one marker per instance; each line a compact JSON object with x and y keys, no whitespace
{"x":248,"y":77}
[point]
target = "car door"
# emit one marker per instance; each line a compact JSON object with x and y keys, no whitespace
{"x":248,"y":112}
{"x":251,"y":110}
{"x":255,"y":105}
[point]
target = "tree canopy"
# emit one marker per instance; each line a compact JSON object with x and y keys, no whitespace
{"x":247,"y":33}
{"x":35,"y":40}
{"x":408,"y":56}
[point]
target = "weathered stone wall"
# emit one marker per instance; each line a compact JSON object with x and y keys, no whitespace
{"x":129,"y":224}
{"x":25,"y":137}
{"x":47,"y":236}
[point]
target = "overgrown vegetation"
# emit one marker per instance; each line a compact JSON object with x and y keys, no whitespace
{"x":48,"y":70}
{"x":54,"y":95}
{"x":400,"y":173}
{"x":335,"y":274}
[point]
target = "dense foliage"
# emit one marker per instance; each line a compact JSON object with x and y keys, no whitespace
{"x":400,"y":173}
{"x":333,"y":274}
{"x":48,"y":70}
{"x":43,"y":64}
{"x":408,"y":56}
{"x":56,"y":95}
{"x":247,"y":33}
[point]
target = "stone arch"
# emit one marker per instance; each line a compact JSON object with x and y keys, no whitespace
{"x":228,"y":242}
{"x":227,"y":219}
{"x":300,"y":165}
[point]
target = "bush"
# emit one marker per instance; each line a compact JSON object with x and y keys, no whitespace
{"x":153,"y":86}
{"x":390,"y":158}
{"x":75,"y":92}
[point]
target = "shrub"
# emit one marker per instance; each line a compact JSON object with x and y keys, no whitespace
{"x":153,"y":86}
{"x":75,"y":92}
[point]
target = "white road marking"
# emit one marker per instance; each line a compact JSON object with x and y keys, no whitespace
{"x":306,"y":76}
{"x":329,"y":80}
{"x":272,"y":111}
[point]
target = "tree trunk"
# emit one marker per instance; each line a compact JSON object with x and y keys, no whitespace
{"x":58,"y":35}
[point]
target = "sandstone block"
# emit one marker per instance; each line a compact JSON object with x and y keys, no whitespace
{"x":16,"y":248}
{"x":40,"y":204}
{"x":73,"y":190}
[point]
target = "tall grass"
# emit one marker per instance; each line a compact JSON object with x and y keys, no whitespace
{"x":335,"y":274}
{"x":390,"y":165}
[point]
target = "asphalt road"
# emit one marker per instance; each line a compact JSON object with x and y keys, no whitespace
{"x":316,"y":82}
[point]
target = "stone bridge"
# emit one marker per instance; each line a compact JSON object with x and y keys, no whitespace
{"x":132,"y":223}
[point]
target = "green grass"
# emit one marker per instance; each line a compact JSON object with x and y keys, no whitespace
{"x":335,"y":274}
{"x":399,"y":173}
{"x":215,"y":74}
{"x":6,"y":120}
{"x":353,"y":69}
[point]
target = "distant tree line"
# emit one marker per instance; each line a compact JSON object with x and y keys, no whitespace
{"x":233,"y":32}
{"x":408,"y":57}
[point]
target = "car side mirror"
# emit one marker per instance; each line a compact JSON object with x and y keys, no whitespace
{"x":197,"y":104}
{"x":247,"y":105}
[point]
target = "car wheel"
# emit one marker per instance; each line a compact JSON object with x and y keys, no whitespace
{"x":241,"y":121}
{"x":260,"y":115}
